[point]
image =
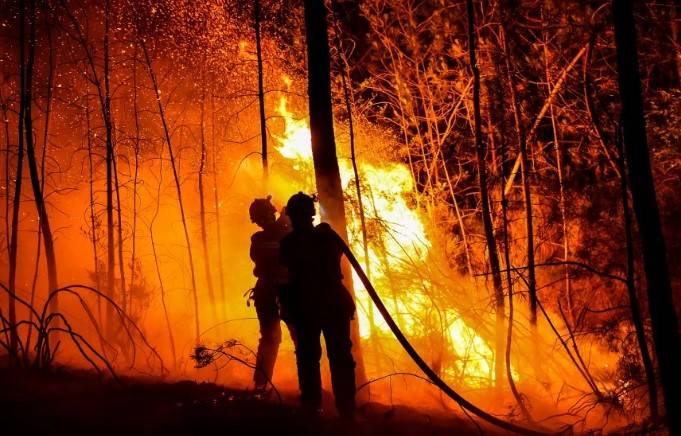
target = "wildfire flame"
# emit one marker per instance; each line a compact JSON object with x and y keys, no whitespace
{"x":398,"y":239}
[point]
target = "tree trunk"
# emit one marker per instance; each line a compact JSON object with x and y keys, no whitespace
{"x":16,"y":203}
{"x":44,"y":222}
{"x":135,"y":181}
{"x":261,"y":91}
{"x":492,"y":252}
{"x":561,"y":185}
{"x":327,"y":173}
{"x":119,"y":219}
{"x":660,"y":301}
{"x":202,"y":205}
{"x":674,"y":17}
{"x":106,"y":111}
{"x":509,"y":283}
{"x":527,"y":192}
{"x":216,"y":205}
{"x":634,"y":306}
{"x":171,"y":339}
{"x":93,"y":219}
{"x":348,"y":100}
{"x":5,"y":117}
{"x":46,"y":129}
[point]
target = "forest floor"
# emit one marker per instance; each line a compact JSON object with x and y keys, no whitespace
{"x":73,"y":402}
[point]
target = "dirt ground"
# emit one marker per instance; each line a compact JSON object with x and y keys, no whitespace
{"x":68,"y":402}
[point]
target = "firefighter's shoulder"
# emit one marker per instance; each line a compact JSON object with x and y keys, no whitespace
{"x":258,"y":236}
{"x":324,"y":227}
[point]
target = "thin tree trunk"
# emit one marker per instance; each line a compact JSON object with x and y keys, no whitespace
{"x":171,"y":339}
{"x":360,"y":202}
{"x":48,"y":113}
{"x":660,"y":301}
{"x":16,"y":203}
{"x":8,"y":157}
{"x":33,"y":170}
{"x":133,"y":254}
{"x":562,"y":78}
{"x":261,"y":91}
{"x":484,"y":199}
{"x":105,"y":106}
{"x":202,"y":205}
{"x":119,"y":230}
{"x":674,"y":18}
{"x":216,"y":203}
{"x":527,"y":192}
{"x":93,"y":219}
{"x":561,"y":186}
{"x":106,"y":109}
{"x":380,"y":242}
{"x":176,"y":176}
{"x":459,"y":217}
{"x":509,"y":282}
{"x":327,"y":173}
{"x":348,"y":100}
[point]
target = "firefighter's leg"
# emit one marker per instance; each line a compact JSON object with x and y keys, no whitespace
{"x":341,"y":363}
{"x":292,"y":333}
{"x":270,"y":338}
{"x":308,"y":353}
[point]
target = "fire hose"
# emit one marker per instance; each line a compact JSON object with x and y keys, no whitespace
{"x":416,"y":357}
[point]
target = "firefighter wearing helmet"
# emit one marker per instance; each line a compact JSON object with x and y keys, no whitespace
{"x":315,"y":302}
{"x":270,"y":274}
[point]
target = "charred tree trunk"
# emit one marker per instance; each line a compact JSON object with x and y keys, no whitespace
{"x":103,"y":95}
{"x":106,"y":110}
{"x":481,"y":153}
{"x":674,"y":18}
{"x":527,"y":192}
{"x":16,"y":203}
{"x":216,"y":205}
{"x":561,"y":185}
{"x":327,"y":173}
{"x":660,"y":301}
{"x":261,"y":90}
{"x":133,"y":253}
{"x":93,"y":219}
{"x":119,"y":229}
{"x":46,"y":129}
{"x":8,"y":158}
{"x":44,"y":222}
{"x":634,"y":307}
{"x":202,"y":205}
{"x":509,"y":282}
{"x":348,"y":100}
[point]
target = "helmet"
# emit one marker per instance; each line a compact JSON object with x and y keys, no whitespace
{"x":261,"y":208}
{"x":300,"y":205}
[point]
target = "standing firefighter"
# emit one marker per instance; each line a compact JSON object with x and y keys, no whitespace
{"x":317,"y":302}
{"x":270,"y":274}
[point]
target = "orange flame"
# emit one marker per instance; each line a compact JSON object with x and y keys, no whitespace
{"x":403,"y":240}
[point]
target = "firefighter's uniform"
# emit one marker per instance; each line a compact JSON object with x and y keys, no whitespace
{"x":319,"y":304}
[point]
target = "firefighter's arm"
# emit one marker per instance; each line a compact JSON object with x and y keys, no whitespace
{"x":332,"y":235}
{"x":256,"y":250}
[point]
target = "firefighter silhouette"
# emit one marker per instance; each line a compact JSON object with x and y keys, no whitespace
{"x":270,"y":274}
{"x":316,"y":302}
